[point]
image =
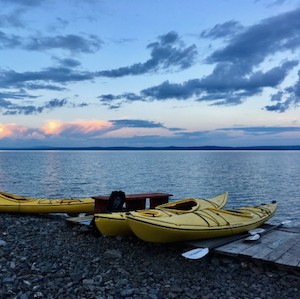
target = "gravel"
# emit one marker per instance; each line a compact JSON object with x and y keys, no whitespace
{"x":43,"y":256}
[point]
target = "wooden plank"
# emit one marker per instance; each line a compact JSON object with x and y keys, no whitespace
{"x":280,"y":246}
{"x":212,"y":243}
{"x":292,"y":256}
{"x":132,"y":201}
{"x":294,"y":229}
{"x":136,"y":196}
{"x":275,"y":255}
{"x":234,"y":248}
{"x":267,"y":244}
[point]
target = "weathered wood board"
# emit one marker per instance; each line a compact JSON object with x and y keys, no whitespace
{"x":280,"y":246}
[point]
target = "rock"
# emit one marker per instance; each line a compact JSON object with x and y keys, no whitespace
{"x":113,"y":254}
{"x":86,"y":266}
{"x":76,"y":276}
{"x":88,"y":281}
{"x":127,"y":292}
{"x":24,"y":295}
{"x":3,"y":243}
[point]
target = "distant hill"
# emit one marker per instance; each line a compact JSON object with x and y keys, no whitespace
{"x":167,"y":148}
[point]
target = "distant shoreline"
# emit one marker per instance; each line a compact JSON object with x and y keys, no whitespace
{"x":166,"y":148}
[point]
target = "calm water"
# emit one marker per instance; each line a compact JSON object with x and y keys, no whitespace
{"x":250,"y":177}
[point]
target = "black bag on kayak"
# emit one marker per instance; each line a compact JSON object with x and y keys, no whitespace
{"x":116,"y":201}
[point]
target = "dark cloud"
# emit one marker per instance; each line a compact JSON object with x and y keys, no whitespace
{"x":15,"y":95}
{"x":55,"y":103}
{"x":68,"y":62}
{"x":13,"y":19}
{"x":167,"y":53}
{"x":34,"y":86}
{"x":227,"y":29}
{"x":253,"y":44}
{"x":115,"y":101}
{"x":9,"y":108}
{"x":285,"y":99}
{"x":236,"y":75}
{"x":26,"y":110}
{"x":227,"y":76}
{"x":22,"y":2}
{"x":10,"y":78}
{"x":230,"y":89}
{"x":168,"y":90}
{"x":4,"y":103}
{"x":136,"y":123}
{"x":70,"y":42}
{"x":10,"y":42}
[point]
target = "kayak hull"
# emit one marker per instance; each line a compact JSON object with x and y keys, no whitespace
{"x":205,"y":224}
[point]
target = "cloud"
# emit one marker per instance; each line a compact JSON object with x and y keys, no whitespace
{"x":9,"y":41}
{"x":28,"y":3}
{"x":227,"y":29}
{"x":219,"y":87}
{"x":15,"y":95}
{"x":14,"y":131}
{"x":136,"y":123}
{"x":12,"y":19}
{"x":70,"y":42}
{"x":262,"y":130}
{"x":116,"y":101}
{"x":284,"y":99}
{"x":77,"y":128}
{"x":94,"y":128}
{"x":140,"y":133}
{"x":59,"y":74}
{"x":10,"y":108}
{"x":169,"y":52}
{"x":238,"y":72}
{"x":256,"y":42}
{"x":55,"y":103}
{"x":68,"y":62}
{"x":34,"y":86}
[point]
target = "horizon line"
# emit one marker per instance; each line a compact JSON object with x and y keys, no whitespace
{"x":120,"y":148}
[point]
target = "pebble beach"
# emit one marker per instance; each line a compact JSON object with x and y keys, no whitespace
{"x":44,"y":256}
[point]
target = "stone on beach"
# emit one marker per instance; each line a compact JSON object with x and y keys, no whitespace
{"x":42,"y":256}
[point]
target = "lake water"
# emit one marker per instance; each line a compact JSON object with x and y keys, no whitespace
{"x":250,"y":177}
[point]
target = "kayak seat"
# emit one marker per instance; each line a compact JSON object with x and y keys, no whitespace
{"x":183,"y":206}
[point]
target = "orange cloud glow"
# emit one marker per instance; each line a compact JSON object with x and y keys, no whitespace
{"x":56,"y":127}
{"x":52,"y":127}
{"x":11,"y":130}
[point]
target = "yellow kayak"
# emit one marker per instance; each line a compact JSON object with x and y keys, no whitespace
{"x":12,"y":203}
{"x":202,"y":224}
{"x":114,"y":224}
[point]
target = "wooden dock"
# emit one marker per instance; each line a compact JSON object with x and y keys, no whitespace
{"x":280,"y":247}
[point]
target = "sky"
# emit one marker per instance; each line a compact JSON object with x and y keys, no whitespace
{"x":149,"y":73}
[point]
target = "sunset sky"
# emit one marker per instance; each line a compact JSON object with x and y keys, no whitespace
{"x":149,"y":73}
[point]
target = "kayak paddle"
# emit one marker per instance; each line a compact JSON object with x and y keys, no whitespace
{"x":255,"y":234}
{"x":264,"y":231}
